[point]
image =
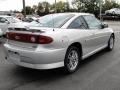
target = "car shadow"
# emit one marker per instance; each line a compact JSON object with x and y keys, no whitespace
{"x":93,"y":58}
{"x":32,"y":75}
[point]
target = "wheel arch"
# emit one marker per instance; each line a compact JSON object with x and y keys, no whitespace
{"x":113,"y":35}
{"x":78,"y":45}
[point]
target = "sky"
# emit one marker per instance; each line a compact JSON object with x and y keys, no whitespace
{"x":6,"y":5}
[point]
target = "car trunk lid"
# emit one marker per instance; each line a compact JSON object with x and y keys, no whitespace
{"x":28,"y":38}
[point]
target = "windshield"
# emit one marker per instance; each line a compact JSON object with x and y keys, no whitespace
{"x":13,"y":19}
{"x":54,"y":20}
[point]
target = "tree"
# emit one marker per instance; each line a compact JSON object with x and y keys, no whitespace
{"x":90,"y":6}
{"x":110,"y":4}
{"x":43,"y":8}
{"x":34,"y":9}
{"x":40,"y":9}
{"x":61,"y":7}
{"x":67,"y":7}
{"x":46,"y":6}
{"x":28,"y":10}
{"x":93,"y":6}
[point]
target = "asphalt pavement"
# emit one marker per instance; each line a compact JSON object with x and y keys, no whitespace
{"x":99,"y":72}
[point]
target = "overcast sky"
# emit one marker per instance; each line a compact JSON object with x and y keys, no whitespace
{"x":6,"y":5}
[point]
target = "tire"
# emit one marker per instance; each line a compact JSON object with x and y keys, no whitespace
{"x":113,"y":13}
{"x":111,"y":43}
{"x":72,"y":59}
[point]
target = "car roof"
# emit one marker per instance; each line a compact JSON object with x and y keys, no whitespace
{"x":76,"y":14}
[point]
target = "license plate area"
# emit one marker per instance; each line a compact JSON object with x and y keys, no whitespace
{"x":14,"y":55}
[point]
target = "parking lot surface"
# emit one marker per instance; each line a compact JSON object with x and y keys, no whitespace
{"x":99,"y":72}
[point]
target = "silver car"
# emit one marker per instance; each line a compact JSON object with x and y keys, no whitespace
{"x":60,"y":40}
{"x":113,"y":11}
{"x":5,"y":21}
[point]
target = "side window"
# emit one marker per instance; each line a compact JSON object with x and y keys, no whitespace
{"x":78,"y":23}
{"x":92,"y":22}
{"x":2,"y":20}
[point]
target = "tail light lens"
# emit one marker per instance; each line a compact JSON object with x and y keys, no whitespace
{"x":44,"y":39}
{"x":29,"y":38}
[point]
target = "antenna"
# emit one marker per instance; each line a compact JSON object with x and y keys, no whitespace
{"x":53,"y":22}
{"x":53,"y":16}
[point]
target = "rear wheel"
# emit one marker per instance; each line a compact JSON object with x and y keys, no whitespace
{"x":111,"y":43}
{"x":72,"y":59}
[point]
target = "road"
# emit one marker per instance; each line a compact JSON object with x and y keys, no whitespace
{"x":99,"y":72}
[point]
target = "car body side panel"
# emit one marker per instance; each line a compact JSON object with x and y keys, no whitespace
{"x":84,"y":37}
{"x":90,"y":40}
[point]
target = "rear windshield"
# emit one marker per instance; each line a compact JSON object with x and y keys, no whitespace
{"x":54,"y":20}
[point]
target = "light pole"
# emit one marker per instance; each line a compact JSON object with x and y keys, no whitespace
{"x":55,"y":7}
{"x":100,"y":3}
{"x":24,"y":9}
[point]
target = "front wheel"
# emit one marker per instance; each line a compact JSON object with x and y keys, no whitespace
{"x":72,"y":59}
{"x":111,"y":43}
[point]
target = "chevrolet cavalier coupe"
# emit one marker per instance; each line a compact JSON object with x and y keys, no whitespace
{"x":58,"y":40}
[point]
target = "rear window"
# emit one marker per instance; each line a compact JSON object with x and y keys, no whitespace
{"x":54,"y":20}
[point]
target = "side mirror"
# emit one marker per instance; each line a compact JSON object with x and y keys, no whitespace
{"x":104,"y":25}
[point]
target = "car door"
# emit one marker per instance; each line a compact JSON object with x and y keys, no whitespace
{"x":3,"y":24}
{"x":83,"y":34}
{"x":99,"y":36}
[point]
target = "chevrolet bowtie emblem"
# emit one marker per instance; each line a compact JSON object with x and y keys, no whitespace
{"x":17,"y":37}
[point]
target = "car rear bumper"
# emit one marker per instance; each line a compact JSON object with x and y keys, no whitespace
{"x":37,"y":66}
{"x":38,"y":60}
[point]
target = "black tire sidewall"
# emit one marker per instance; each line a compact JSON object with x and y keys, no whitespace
{"x":109,"y":42}
{"x":67,"y":70}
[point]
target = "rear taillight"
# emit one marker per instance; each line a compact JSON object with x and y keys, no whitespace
{"x":44,"y":39}
{"x":29,"y":38}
